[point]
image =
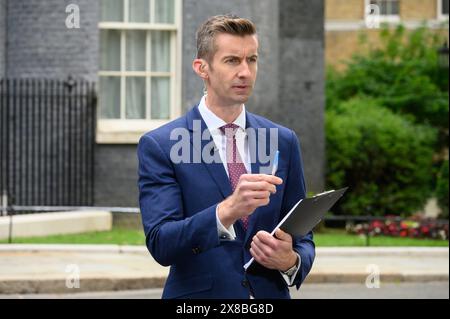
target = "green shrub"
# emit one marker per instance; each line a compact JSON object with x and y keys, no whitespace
{"x":442,"y":189}
{"x":384,"y":158}
{"x":403,"y":74}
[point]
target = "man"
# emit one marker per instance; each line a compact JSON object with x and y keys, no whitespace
{"x":205,"y":218}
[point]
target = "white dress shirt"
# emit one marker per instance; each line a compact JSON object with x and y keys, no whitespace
{"x":214,"y":123}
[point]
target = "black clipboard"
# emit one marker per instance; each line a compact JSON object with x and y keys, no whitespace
{"x":306,"y":214}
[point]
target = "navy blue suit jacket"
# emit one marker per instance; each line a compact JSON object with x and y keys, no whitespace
{"x":178,"y":206}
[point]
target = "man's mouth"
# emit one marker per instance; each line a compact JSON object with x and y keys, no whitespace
{"x":240,"y":87}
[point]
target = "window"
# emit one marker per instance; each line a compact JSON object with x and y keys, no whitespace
{"x":442,"y":9}
{"x":389,"y":9}
{"x":138,"y":67}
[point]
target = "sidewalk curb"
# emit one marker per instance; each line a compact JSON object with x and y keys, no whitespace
{"x":362,"y":277}
{"x":323,"y":251}
{"x":56,"y":283}
{"x":49,"y":286}
{"x":69,"y":248}
{"x":383,"y":251}
{"x":40,"y":286}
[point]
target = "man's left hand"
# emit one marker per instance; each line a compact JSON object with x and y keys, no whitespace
{"x":274,"y":253}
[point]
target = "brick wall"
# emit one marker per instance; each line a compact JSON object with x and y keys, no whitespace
{"x":344,"y":9}
{"x":2,"y":36}
{"x":341,"y":44}
{"x":116,"y":176}
{"x":40,"y":44}
{"x":418,"y":9}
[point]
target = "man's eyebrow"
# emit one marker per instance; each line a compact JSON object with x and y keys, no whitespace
{"x":231,"y":56}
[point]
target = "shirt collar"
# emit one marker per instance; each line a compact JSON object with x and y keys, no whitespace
{"x":213,"y":121}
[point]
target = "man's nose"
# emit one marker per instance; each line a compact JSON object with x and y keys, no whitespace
{"x":244,"y":70}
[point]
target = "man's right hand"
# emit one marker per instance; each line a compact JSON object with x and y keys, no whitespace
{"x":252,"y":191}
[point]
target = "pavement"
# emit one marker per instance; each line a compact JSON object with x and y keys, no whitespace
{"x":389,"y":290}
{"x":64,"y":269}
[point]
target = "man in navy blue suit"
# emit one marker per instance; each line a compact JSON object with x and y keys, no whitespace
{"x":208,"y":196}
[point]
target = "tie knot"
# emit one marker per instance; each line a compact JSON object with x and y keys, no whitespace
{"x":229,"y":130}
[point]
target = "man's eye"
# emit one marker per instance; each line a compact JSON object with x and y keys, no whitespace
{"x":232,"y":61}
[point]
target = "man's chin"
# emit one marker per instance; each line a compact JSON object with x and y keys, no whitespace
{"x":241,"y":98}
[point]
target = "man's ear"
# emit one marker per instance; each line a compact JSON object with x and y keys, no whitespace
{"x":200,"y":67}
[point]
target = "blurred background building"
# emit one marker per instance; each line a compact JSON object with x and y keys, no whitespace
{"x":138,"y":53}
{"x":346,"y":20}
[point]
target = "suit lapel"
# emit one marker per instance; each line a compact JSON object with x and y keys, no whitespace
{"x":197,"y":126}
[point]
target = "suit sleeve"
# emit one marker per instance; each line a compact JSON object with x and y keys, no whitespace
{"x":170,"y":235}
{"x":295,"y":190}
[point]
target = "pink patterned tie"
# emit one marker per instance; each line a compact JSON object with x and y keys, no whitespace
{"x":235,"y":164}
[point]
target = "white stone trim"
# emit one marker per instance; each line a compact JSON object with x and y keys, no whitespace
{"x":335,"y":25}
{"x":124,"y":131}
{"x":439,"y":15}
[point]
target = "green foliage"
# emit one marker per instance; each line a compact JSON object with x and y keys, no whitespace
{"x":341,"y":239}
{"x":116,"y":236}
{"x":329,"y":237}
{"x":387,"y":119}
{"x":384,"y":158}
{"x":403,"y":74}
{"x":442,"y":189}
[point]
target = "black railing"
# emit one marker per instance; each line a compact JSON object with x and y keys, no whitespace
{"x":47,"y":138}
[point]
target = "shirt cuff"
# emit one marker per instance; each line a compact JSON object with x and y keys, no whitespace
{"x":223,"y":233}
{"x":290,"y":280}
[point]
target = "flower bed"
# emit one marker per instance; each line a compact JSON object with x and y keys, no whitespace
{"x":415,"y":227}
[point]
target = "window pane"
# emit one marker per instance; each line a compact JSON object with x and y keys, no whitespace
{"x":161,"y":51}
{"x":139,"y":10}
{"x":160,"y":98}
{"x":135,"y":106}
{"x":387,"y":7}
{"x":109,"y":97}
{"x":135,"y":50}
{"x":444,"y":6}
{"x":383,"y":7}
{"x":111,"y":10}
{"x":394,"y":8}
{"x":164,"y":11}
{"x":109,"y":50}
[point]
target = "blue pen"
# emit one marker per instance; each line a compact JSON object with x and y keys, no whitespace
{"x":275,"y":163}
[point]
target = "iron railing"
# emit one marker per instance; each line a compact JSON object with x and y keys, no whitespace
{"x":47,"y":139}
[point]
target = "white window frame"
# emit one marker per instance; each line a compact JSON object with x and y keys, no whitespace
{"x":128,"y":131}
{"x":390,"y":18}
{"x":439,"y":15}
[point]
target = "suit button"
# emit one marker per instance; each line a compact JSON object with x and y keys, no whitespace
{"x":196,"y":250}
{"x":244,"y":283}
